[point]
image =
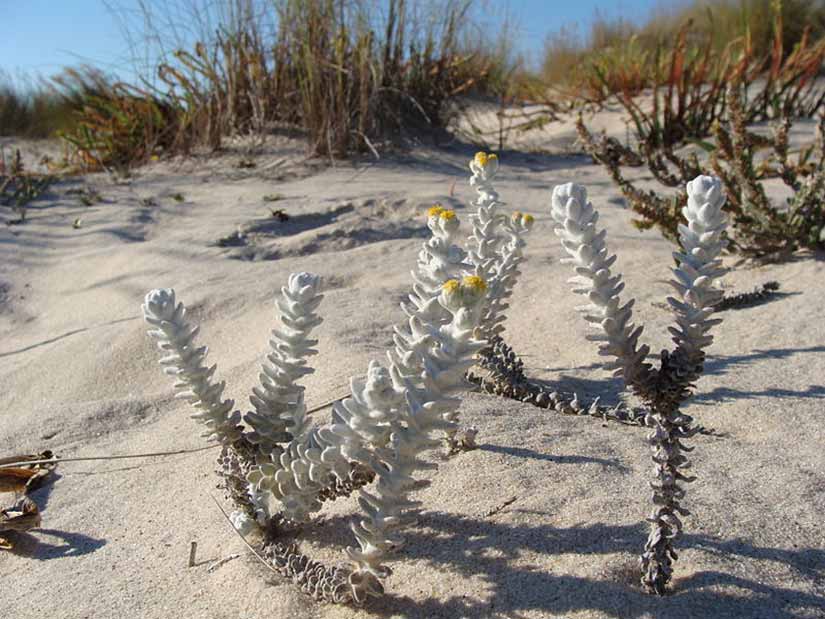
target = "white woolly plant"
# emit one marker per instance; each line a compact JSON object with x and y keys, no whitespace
{"x":280,"y":410}
{"x":665,"y":388}
{"x":487,"y":221}
{"x":279,"y":402}
{"x":386,"y":424}
{"x":439,"y":260}
{"x":424,"y":405}
{"x":185,"y":361}
{"x":379,"y":431}
{"x":505,"y":274}
{"x":496,"y":244}
{"x":297,"y":476}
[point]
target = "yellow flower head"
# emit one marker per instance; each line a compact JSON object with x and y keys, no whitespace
{"x":482,"y":158}
{"x":474,"y":283}
{"x":451,"y":285}
{"x":466,"y":293}
{"x":522,"y":220}
{"x":435,"y":210}
{"x":447,"y":214}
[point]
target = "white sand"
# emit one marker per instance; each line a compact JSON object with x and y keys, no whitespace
{"x":80,"y":376}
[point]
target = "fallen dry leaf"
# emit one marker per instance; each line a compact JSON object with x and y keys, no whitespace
{"x":22,"y":516}
{"x":15,"y":479}
{"x":24,"y":477}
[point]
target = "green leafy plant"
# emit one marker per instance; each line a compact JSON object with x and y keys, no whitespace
{"x":117,"y":125}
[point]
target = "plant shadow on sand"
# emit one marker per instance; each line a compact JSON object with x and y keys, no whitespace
{"x":522,"y":452}
{"x":33,"y":545}
{"x":500,"y":555}
{"x":717,"y":365}
{"x":720,"y":364}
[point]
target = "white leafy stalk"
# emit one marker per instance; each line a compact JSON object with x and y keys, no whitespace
{"x":576,"y":221}
{"x":379,"y":432}
{"x":487,"y":220}
{"x":663,"y":390}
{"x":185,"y":362}
{"x":698,"y":267}
{"x":426,"y":409}
{"x":439,"y":260}
{"x":496,"y":244}
{"x":488,"y":223}
{"x":280,"y":410}
{"x":505,"y":275}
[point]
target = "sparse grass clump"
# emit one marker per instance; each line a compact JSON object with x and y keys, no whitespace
{"x":695,"y":45}
{"x":117,"y":125}
{"x":18,"y":187}
{"x":348,"y":80}
{"x":329,"y":69}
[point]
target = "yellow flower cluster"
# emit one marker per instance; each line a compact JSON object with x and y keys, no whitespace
{"x":451,"y":285}
{"x":470,"y":283}
{"x":474,"y":283}
{"x":527,"y":219}
{"x":482,"y":158}
{"x":439,"y":211}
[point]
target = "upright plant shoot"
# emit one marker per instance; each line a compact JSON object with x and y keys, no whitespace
{"x":663,"y":389}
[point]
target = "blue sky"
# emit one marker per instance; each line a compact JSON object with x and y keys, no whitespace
{"x":42,"y":36}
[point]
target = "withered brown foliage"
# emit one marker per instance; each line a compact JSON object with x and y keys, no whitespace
{"x":18,"y":187}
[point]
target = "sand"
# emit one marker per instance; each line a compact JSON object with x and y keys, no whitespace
{"x":545,"y":519}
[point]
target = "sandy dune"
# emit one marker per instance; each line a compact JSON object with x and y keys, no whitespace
{"x":544,"y":520}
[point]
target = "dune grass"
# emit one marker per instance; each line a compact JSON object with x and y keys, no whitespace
{"x":621,"y":56}
{"x":353,"y":75}
{"x":349,"y":81}
{"x":345,"y":76}
{"x":31,"y":109}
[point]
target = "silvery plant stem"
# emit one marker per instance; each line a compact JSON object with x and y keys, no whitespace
{"x":586,"y":247}
{"x":384,"y":425}
{"x":491,"y":229}
{"x":185,"y":361}
{"x":280,"y":410}
{"x":505,"y":274}
{"x":296,"y":479}
{"x":698,"y":267}
{"x":424,"y":408}
{"x":439,"y":260}
{"x":662,"y":390}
